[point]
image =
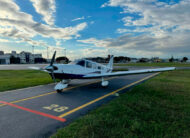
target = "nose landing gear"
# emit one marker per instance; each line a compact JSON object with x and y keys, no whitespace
{"x":104,"y":83}
{"x":61,"y":85}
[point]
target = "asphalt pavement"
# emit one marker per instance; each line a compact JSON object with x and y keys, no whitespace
{"x":20,"y":66}
{"x":39,"y":111}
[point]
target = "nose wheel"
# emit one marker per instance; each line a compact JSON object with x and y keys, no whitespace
{"x":104,"y":83}
{"x":61,"y":85}
{"x":59,"y":91}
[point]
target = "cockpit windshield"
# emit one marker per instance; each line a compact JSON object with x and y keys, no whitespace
{"x":78,"y":62}
{"x":81,"y":63}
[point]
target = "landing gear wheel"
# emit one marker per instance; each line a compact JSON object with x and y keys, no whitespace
{"x":104,"y":83}
{"x":59,"y":91}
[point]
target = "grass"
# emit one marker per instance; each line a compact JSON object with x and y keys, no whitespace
{"x":159,"y":107}
{"x":156,"y":64}
{"x":120,"y":69}
{"x":14,"y":79}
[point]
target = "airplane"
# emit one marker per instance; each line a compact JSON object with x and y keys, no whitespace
{"x":87,"y":69}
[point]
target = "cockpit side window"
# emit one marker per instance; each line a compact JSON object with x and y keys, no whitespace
{"x":81,"y":63}
{"x":88,"y":64}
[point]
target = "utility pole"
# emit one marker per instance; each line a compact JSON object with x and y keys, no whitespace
{"x":47,"y":53}
{"x":65,"y":52}
{"x":33,"y":50}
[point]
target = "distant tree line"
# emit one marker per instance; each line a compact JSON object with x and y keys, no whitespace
{"x":122,"y":59}
{"x":184,"y":59}
{"x":63,"y":60}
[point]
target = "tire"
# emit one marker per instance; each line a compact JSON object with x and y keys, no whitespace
{"x":59,"y":91}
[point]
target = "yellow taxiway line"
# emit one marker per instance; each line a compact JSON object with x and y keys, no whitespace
{"x":102,"y":97}
{"x":33,"y":97}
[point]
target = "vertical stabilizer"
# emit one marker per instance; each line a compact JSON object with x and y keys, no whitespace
{"x":110,"y":64}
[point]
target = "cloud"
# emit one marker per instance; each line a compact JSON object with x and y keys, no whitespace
{"x":3,"y":40}
{"x":80,"y":18}
{"x":154,"y":13}
{"x":46,"y":8}
{"x":13,"y":26}
{"x":94,"y":41}
{"x":121,"y":30}
{"x":168,"y":44}
{"x":156,"y":28}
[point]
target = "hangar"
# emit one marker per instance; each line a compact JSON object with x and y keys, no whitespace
{"x":5,"y":59}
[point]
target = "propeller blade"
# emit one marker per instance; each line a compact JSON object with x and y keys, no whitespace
{"x":53,"y":77}
{"x":38,"y":68}
{"x":35,"y":68}
{"x":53,"y":59}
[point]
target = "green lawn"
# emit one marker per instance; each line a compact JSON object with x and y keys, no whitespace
{"x":14,"y":79}
{"x":156,"y":64}
{"x":159,"y":107}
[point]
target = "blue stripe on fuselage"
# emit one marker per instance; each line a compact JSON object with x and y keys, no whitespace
{"x":67,"y":76}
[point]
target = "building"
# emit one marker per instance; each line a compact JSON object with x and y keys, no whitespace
{"x":24,"y":57}
{"x":5,"y":59}
{"x":134,"y":60}
{"x":1,"y":52}
{"x":155,"y":59}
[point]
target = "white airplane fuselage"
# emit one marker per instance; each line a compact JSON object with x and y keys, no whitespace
{"x":86,"y":69}
{"x":75,"y":71}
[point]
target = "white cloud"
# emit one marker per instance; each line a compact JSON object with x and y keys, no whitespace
{"x":154,"y":13}
{"x":19,"y":25}
{"x":46,"y":8}
{"x":80,"y":18}
{"x":162,"y":28}
{"x":94,"y":41}
{"x":3,"y":40}
{"x":153,"y":45}
{"x":121,"y":30}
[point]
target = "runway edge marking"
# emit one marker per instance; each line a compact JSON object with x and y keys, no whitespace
{"x":102,"y":97}
{"x":34,"y":111}
{"x":33,"y":97}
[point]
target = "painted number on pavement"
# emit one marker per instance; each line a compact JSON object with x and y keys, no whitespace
{"x":56,"y":108}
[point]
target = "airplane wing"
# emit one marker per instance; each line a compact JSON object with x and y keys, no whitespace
{"x":122,"y":73}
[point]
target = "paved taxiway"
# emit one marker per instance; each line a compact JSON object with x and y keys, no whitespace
{"x":39,"y":111}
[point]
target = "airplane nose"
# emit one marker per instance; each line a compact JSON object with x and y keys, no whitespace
{"x":50,"y":68}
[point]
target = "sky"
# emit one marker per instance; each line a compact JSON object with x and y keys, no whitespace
{"x":89,"y":28}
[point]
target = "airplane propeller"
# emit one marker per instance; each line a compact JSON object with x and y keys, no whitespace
{"x":51,"y":67}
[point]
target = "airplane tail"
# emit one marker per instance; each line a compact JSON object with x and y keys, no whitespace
{"x":110,"y":64}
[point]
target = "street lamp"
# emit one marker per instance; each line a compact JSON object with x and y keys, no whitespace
{"x":33,"y":49}
{"x":65,"y":52}
{"x":47,"y":53}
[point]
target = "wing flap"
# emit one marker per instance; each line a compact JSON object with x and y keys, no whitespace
{"x":121,"y":73}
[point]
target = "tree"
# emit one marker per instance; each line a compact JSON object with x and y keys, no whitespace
{"x":40,"y":60}
{"x":184,"y":59}
{"x":171,"y":59}
{"x":14,"y":60}
{"x":62,"y":60}
{"x":143,"y":60}
{"x":121,"y":59}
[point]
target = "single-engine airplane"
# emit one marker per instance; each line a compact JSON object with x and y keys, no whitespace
{"x":86,"y":69}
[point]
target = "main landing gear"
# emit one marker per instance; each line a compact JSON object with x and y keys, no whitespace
{"x":104,"y":83}
{"x":61,"y":85}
